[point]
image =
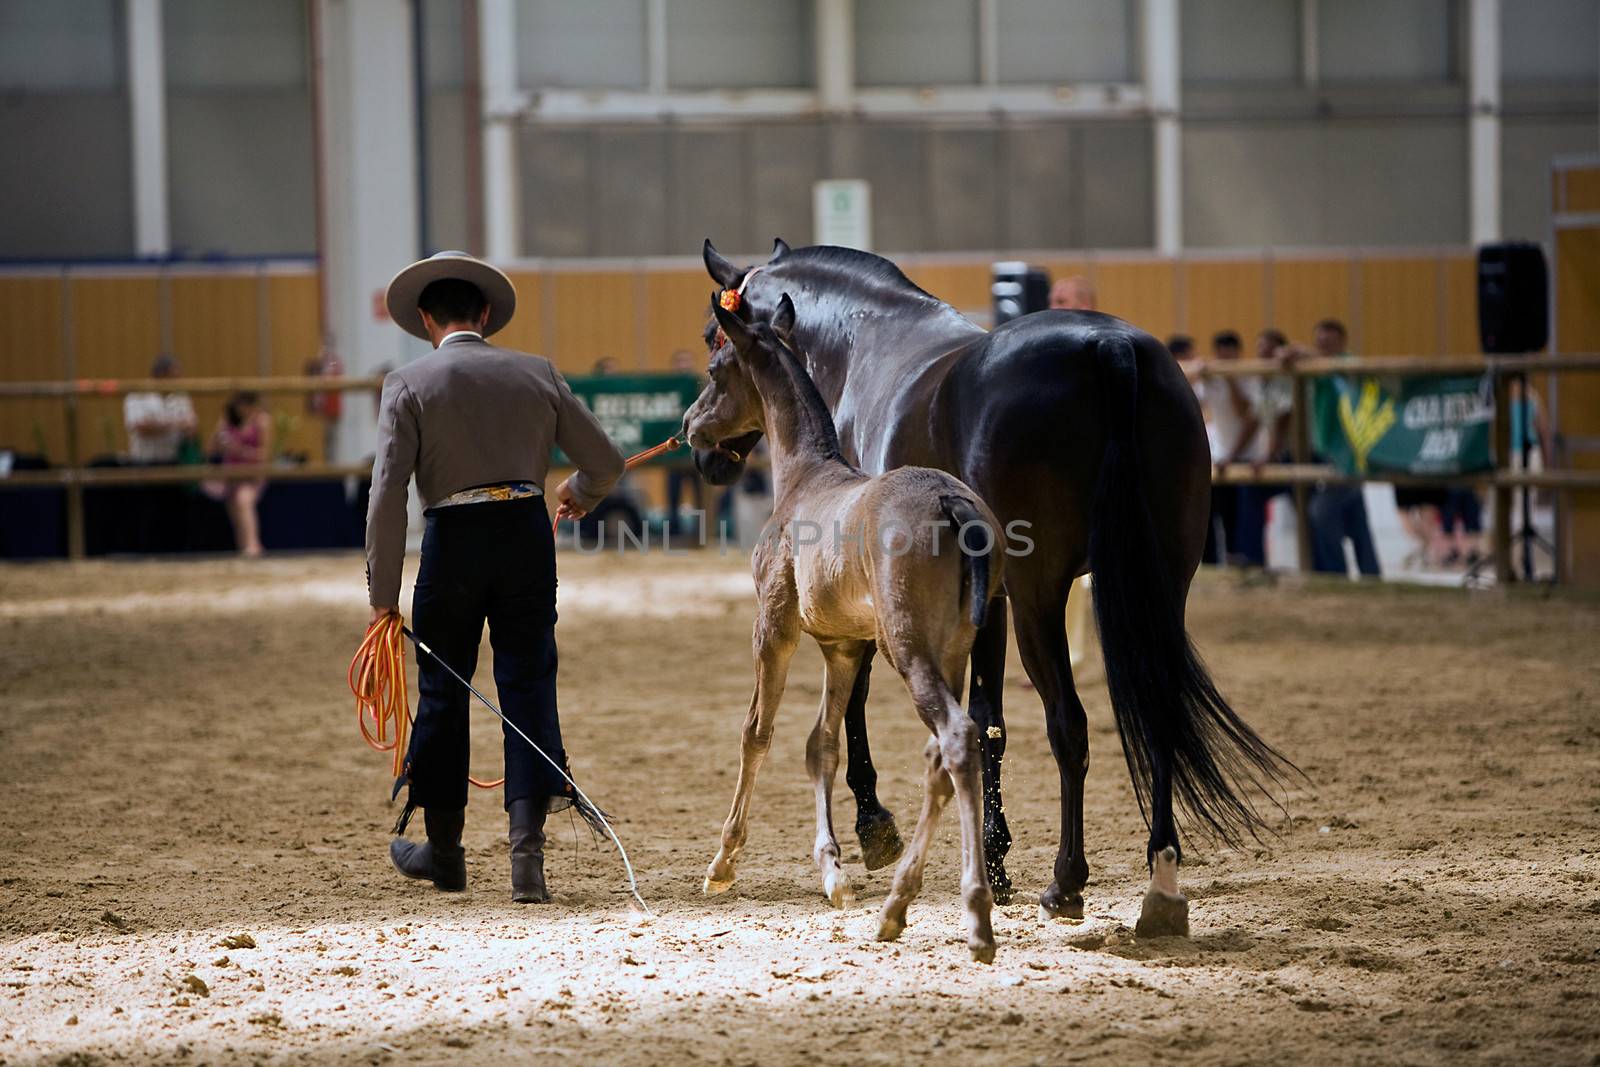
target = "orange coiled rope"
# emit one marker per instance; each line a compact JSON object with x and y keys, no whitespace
{"x":377,"y":674}
{"x":377,"y":677}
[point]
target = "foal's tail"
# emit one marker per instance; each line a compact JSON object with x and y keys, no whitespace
{"x":975,"y":565}
{"x":1174,"y":724}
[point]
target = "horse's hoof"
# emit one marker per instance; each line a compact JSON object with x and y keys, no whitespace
{"x":1165,"y":912}
{"x":1163,"y":915}
{"x":838,"y":891}
{"x":1000,"y":883}
{"x":982,"y":953}
{"x":711,"y":887}
{"x":889,"y":929}
{"x":1054,"y":904}
{"x":880,"y":842}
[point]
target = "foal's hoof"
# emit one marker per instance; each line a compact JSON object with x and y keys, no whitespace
{"x":982,"y":953}
{"x":711,"y":887}
{"x":1000,"y":882}
{"x":890,"y":928}
{"x":880,"y":841}
{"x":1054,"y":904}
{"x":838,"y":891}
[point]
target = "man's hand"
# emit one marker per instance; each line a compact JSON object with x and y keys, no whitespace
{"x":378,"y":613}
{"x":567,"y":506}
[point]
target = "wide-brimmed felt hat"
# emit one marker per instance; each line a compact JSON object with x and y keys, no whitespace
{"x":406,"y":288}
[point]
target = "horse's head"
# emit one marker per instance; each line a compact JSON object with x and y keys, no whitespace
{"x":720,"y":456}
{"x":727,"y":419}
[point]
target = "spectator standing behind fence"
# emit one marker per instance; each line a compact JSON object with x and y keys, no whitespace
{"x":158,"y":423}
{"x":681,"y":478}
{"x":243,"y":436}
{"x":1337,"y":512}
{"x":1232,"y":402}
{"x":1272,"y":400}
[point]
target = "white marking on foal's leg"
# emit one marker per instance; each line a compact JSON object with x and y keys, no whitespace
{"x":1166,"y":910}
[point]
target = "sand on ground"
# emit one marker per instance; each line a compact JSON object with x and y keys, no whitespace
{"x":196,"y":867}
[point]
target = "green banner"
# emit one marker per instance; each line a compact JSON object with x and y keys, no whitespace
{"x":1406,"y":425}
{"x":638,"y":410}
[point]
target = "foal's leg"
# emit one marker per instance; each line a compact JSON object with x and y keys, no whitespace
{"x":985,"y":707}
{"x":775,"y":640}
{"x":958,"y":750}
{"x":822,"y":761}
{"x":875,"y":827}
{"x":936,"y":789}
{"x":1042,"y":640}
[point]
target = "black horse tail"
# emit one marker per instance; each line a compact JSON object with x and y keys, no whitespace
{"x":975,"y":565}
{"x":1175,"y":726}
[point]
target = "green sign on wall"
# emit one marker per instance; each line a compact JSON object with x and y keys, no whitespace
{"x":638,"y":410}
{"x":1406,"y":425}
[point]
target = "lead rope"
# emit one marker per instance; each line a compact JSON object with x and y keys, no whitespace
{"x":671,"y":444}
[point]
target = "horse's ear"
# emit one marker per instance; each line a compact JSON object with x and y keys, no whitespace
{"x":783,"y":317}
{"x":732,"y":325}
{"x":722,"y":271}
{"x":780,"y":248}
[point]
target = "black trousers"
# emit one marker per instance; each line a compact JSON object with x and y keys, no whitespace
{"x":491,"y":562}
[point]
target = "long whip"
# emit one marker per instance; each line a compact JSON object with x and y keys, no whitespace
{"x":587,"y":808}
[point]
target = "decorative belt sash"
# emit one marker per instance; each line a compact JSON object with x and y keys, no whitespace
{"x":484,"y":494}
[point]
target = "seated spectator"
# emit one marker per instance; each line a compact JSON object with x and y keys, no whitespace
{"x":1338,"y":512}
{"x":158,"y":423}
{"x":243,"y":436}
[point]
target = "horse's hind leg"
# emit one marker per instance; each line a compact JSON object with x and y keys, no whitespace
{"x":822,"y":761}
{"x":986,"y":709}
{"x":1042,"y":640}
{"x":875,"y":826}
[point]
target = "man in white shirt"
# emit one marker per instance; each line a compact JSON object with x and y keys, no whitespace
{"x":158,"y":422}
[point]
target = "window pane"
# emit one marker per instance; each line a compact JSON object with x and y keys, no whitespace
{"x":1241,"y":40}
{"x":60,"y":46}
{"x":593,"y":44}
{"x":916,"y":42}
{"x":1385,"y":40}
{"x":1050,"y":41}
{"x":235,"y":44}
{"x":1550,"y":41}
{"x":739,"y":43}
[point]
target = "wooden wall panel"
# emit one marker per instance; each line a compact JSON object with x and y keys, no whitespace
{"x":1307,"y":290}
{"x":1459,"y":313}
{"x":294,"y":338}
{"x":1399,"y":302}
{"x":964,"y":286}
{"x":525,"y":331}
{"x":32,"y":348}
{"x":1223,"y":295}
{"x":216,"y":324}
{"x":1582,"y":189}
{"x":1144,"y":293}
{"x":678,"y":304}
{"x":116,"y":333}
{"x":595,"y":317}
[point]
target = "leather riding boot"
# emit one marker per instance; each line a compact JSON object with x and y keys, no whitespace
{"x":527,"y":851}
{"x":441,"y":859}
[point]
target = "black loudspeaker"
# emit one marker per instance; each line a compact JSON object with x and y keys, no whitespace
{"x":1513,"y":298}
{"x":1017,"y":290}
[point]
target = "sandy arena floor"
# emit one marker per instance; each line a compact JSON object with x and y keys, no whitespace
{"x":196,"y":870}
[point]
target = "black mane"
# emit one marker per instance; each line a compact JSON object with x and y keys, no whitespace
{"x":864,"y":266}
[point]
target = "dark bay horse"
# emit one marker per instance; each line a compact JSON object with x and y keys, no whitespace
{"x":1082,"y":427}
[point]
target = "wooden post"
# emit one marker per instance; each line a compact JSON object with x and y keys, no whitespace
{"x":1300,"y":429}
{"x":1499,"y":494}
{"x":75,"y":535}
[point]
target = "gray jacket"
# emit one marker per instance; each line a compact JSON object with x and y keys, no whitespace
{"x":471,"y":414}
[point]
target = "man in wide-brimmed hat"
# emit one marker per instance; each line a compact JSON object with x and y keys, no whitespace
{"x":476,"y":424}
